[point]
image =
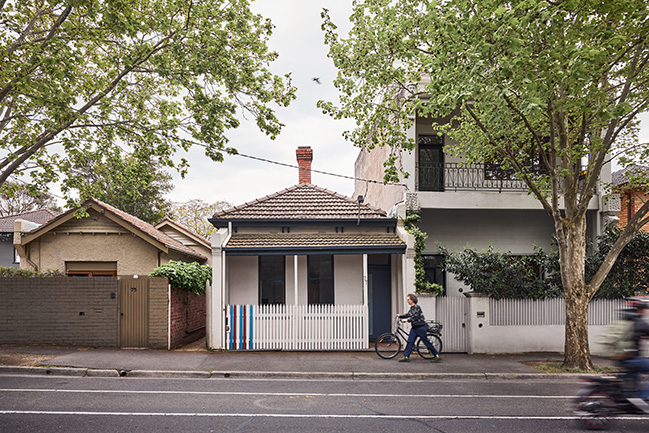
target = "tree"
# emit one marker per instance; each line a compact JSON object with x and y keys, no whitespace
{"x":152,"y":76}
{"x":16,"y":198}
{"x":194,"y":213}
{"x":130,"y":184}
{"x":539,"y":86}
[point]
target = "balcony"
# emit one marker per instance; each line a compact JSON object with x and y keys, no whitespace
{"x":466,"y":177}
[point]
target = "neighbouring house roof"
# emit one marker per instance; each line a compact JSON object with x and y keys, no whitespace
{"x":41,"y":216}
{"x":623,"y":176}
{"x":280,"y":243}
{"x":303,"y":203}
{"x":166,"y":221}
{"x":134,"y":224}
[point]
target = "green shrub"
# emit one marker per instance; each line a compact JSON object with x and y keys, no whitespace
{"x":17,"y":272}
{"x":536,"y":276}
{"x":190,"y":277}
{"x":501,"y":275}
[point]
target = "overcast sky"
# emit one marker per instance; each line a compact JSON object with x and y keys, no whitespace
{"x":299,"y":41}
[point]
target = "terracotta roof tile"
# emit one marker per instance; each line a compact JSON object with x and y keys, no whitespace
{"x":41,"y":216}
{"x":312,"y":240}
{"x":148,"y":229}
{"x":300,"y":202}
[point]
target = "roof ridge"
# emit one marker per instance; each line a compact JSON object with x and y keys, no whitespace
{"x":133,"y":221}
{"x":302,"y":201}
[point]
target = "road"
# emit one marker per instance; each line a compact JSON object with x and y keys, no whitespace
{"x":84,"y":404}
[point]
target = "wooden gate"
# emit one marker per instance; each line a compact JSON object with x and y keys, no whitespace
{"x":133,"y":312}
{"x":451,"y":311}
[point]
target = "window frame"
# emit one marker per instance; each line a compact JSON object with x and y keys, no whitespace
{"x":261,"y":279}
{"x":313,"y":279}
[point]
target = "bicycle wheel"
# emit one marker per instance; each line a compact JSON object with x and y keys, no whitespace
{"x":387,"y":346}
{"x":423,"y":351}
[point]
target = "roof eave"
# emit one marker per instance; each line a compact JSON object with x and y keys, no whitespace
{"x":329,"y":222}
{"x":371,"y":249}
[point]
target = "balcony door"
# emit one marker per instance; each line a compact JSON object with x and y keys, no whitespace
{"x":431,"y":162}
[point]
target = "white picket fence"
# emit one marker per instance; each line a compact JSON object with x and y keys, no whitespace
{"x":296,"y":327}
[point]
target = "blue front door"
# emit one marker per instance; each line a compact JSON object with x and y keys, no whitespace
{"x":379,"y":299}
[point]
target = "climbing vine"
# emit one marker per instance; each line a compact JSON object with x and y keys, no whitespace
{"x":190,"y":277}
{"x":422,"y":285}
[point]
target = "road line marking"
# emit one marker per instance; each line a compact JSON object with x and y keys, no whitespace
{"x":282,"y":415}
{"x":281,"y":394}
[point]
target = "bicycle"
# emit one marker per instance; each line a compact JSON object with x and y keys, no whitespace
{"x":388,"y":345}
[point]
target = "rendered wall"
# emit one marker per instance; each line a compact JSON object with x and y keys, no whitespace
{"x":348,"y":279}
{"x":97,"y":238}
{"x":243,"y":278}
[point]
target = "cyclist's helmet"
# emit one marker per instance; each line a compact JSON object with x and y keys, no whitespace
{"x":637,"y":303}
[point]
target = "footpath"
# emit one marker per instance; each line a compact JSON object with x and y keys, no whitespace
{"x":195,"y":361}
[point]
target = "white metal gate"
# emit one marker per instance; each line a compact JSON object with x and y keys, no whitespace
{"x":451,"y":311}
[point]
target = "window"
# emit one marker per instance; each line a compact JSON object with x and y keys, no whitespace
{"x":433,"y":269}
{"x":91,"y":269}
{"x":321,"y":279}
{"x":272,"y":280}
{"x":431,"y":162}
{"x":16,"y":256}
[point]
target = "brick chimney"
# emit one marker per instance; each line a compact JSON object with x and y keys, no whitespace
{"x":304,"y":157}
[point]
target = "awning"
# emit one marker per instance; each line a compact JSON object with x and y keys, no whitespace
{"x":305,"y":244}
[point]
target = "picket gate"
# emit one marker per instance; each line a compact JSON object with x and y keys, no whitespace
{"x":296,"y":327}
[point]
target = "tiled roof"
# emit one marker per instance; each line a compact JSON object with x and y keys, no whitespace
{"x":313,"y":240}
{"x":301,"y":202}
{"x":167,"y":220}
{"x":38,"y":216}
{"x":623,"y":176}
{"x":134,"y":222}
{"x":149,"y":230}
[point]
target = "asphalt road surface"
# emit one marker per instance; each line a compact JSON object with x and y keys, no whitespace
{"x":84,"y":404}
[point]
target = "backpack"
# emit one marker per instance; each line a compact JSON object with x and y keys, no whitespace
{"x":617,"y":340}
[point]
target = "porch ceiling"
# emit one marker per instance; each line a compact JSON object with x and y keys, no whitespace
{"x":339,"y":243}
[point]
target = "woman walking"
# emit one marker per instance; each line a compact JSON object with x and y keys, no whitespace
{"x":419,"y":327}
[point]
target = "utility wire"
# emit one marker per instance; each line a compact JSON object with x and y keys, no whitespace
{"x":368,"y":181}
{"x":319,"y":171}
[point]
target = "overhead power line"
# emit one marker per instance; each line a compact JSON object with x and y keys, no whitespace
{"x":320,"y":171}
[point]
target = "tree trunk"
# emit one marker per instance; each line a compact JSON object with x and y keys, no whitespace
{"x":572,"y":254}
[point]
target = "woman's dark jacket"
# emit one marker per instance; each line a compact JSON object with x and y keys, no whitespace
{"x":415,"y":316}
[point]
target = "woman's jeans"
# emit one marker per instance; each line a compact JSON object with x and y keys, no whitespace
{"x":419,"y":331}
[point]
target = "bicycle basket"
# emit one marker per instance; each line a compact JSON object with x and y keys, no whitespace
{"x":434,"y":327}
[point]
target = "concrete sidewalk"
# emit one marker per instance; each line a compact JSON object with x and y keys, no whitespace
{"x":195,"y":361}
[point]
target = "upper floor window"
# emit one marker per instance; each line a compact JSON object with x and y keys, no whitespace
{"x":321,"y":279}
{"x":431,"y":162}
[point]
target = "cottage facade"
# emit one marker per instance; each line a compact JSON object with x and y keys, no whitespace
{"x":306,"y":268}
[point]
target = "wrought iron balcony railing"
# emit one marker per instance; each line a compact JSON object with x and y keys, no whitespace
{"x":456,"y":177}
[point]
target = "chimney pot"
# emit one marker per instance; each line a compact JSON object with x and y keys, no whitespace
{"x":304,"y":157}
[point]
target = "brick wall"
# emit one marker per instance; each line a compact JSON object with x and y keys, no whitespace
{"x":631,"y":201}
{"x":188,"y":312}
{"x":158,"y":313}
{"x":69,"y":311}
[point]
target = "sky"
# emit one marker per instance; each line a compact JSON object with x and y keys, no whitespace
{"x":299,"y":40}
